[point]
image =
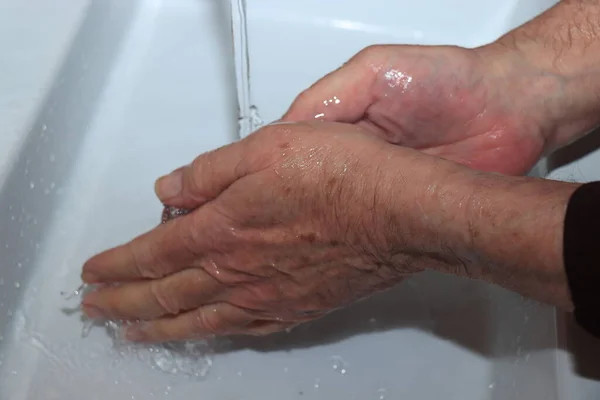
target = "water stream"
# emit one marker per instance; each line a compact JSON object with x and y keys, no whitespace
{"x":248,"y":116}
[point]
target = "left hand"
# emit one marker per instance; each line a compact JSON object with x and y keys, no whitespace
{"x":290,"y":223}
{"x":485,"y":108}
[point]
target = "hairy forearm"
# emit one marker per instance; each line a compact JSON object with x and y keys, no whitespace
{"x":515,"y":235}
{"x":501,"y":229}
{"x":558,"y":54}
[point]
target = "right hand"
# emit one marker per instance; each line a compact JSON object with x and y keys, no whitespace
{"x":479,"y":107}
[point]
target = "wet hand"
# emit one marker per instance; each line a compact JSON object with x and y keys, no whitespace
{"x":479,"y":107}
{"x":290,"y":223}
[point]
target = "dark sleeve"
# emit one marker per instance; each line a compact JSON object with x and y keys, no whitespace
{"x":581,"y":255}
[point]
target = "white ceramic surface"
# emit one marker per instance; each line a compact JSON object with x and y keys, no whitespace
{"x":109,"y":94}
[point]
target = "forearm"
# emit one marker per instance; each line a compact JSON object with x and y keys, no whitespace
{"x":558,"y":57}
{"x":515,"y":235}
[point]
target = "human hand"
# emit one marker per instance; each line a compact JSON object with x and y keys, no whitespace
{"x":483,"y":107}
{"x":290,"y":223}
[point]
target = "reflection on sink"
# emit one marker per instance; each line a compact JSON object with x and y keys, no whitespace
{"x":146,"y":86}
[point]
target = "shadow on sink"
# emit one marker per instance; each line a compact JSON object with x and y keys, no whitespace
{"x":481,"y":318}
{"x":583,"y":348}
{"x":33,"y":188}
{"x":575,"y":151}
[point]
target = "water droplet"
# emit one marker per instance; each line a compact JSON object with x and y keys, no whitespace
{"x":52,"y":157}
{"x":491,"y":386}
{"x":31,"y":185}
{"x":88,"y":325}
{"x":44,"y":128}
{"x":339,"y":365}
{"x":317,"y":383}
{"x":381,"y":393}
{"x":17,"y":285}
{"x":397,"y":78}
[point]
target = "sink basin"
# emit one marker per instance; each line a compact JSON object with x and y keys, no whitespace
{"x":106,"y":95}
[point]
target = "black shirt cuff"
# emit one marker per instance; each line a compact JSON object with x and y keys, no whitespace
{"x":581,"y":243}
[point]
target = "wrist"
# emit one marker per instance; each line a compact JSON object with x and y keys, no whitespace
{"x":515,"y":235}
{"x":553,"y":63}
{"x":424,"y":202}
{"x":503,"y":230}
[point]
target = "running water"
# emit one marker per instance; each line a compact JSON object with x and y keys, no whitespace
{"x":189,"y":358}
{"x":248,"y":116}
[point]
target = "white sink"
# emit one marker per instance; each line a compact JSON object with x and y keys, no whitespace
{"x":111,"y":94}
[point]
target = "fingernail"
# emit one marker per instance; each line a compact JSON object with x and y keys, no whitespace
{"x":93,"y":311}
{"x":89,"y":277}
{"x":170,"y":185}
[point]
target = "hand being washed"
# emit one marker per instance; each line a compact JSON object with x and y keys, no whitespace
{"x":293,"y":222}
{"x":487,"y":108}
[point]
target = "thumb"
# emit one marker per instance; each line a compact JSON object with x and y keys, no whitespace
{"x":204,"y":179}
{"x":341,"y":96}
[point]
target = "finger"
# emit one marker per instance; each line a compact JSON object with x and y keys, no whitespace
{"x":166,"y":249}
{"x":143,"y":300}
{"x":204,"y":179}
{"x":341,"y":96}
{"x":213,"y":320}
{"x":264,"y":328}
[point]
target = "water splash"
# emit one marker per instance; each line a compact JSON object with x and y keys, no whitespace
{"x":188,"y":358}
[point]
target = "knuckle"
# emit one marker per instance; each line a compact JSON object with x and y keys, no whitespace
{"x":305,"y":98}
{"x":166,"y":299}
{"x":188,"y":236}
{"x":147,"y":261}
{"x":139,"y":253}
{"x":208,"y":321}
{"x":370,"y":51}
{"x":198,"y":172}
{"x":266,"y":295}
